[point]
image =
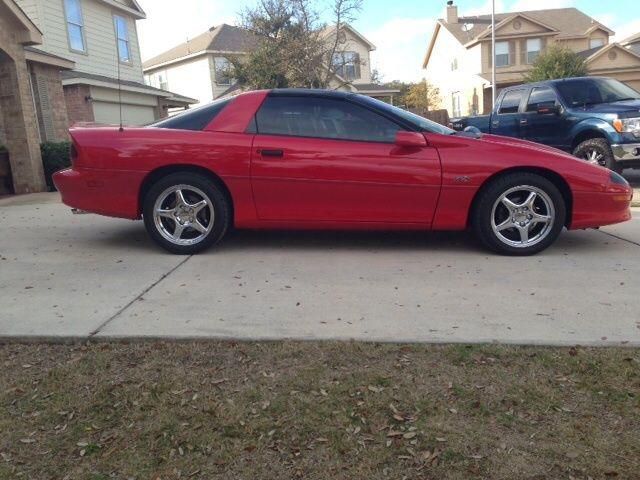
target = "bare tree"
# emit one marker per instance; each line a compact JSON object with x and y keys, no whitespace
{"x":297,"y":49}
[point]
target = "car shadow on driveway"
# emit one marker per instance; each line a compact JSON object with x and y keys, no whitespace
{"x":132,"y":237}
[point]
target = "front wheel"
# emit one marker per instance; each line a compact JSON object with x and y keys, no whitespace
{"x":519,"y":214}
{"x":185,"y":213}
{"x":598,"y":152}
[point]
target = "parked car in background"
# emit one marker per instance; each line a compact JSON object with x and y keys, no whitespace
{"x":594,"y":118}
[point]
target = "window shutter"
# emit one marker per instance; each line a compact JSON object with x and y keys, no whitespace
{"x":357,"y":66}
{"x":490,"y":55}
{"x":512,"y":52}
{"x":523,"y":51}
{"x":45,"y":107}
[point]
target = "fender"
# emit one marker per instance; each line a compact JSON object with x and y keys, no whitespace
{"x":604,"y":128}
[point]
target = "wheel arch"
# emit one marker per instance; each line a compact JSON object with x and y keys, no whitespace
{"x":161,"y":172}
{"x":585,"y":135}
{"x":555,"y":178}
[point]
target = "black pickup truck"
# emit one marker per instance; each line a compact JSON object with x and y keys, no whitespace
{"x":594,"y":118}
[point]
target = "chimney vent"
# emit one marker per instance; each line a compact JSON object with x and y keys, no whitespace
{"x":452,"y":12}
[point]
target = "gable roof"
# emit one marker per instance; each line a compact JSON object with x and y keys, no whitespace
{"x":223,"y":38}
{"x":592,"y":54}
{"x":510,"y":18}
{"x":130,"y":6}
{"x":632,"y":39}
{"x":329,"y":31}
{"x":567,"y":22}
{"x":570,"y":22}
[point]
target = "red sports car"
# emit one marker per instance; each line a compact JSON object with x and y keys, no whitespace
{"x":332,"y":160}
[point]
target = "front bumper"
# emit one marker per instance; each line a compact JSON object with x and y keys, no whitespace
{"x":624,"y":152}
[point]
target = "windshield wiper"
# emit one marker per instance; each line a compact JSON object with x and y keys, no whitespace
{"x":624,"y":99}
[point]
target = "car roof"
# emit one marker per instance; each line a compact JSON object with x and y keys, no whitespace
{"x":306,"y":92}
{"x":557,"y":81}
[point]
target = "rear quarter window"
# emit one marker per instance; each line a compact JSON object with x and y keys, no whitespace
{"x":196,"y":119}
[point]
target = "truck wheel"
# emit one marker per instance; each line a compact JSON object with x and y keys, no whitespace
{"x":519,"y":214}
{"x":598,"y":152}
{"x":186,"y":213}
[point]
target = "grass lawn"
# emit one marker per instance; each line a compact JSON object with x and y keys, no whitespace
{"x":317,"y":411}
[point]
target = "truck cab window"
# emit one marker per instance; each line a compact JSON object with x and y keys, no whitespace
{"x":511,"y":102}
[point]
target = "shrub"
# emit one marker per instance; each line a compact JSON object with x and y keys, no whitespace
{"x":557,"y":62}
{"x":55,"y":156}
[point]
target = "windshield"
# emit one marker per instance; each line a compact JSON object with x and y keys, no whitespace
{"x":421,"y":123}
{"x":592,"y":91}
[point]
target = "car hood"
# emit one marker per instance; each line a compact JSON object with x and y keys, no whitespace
{"x":510,"y":141}
{"x":628,"y":108}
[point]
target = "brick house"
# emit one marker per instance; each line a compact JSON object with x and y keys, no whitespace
{"x":59,"y":65}
{"x":459,"y":59}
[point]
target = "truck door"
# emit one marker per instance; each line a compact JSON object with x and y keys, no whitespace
{"x":543,"y":121}
{"x":506,"y":119}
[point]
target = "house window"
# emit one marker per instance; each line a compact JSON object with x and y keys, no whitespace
{"x":163,"y":82}
{"x":223,"y":71}
{"x":347,"y":65}
{"x":502,"y":54}
{"x":534,"y":46}
{"x":596,"y":42}
{"x":456,"y":102}
{"x":122,"y":35}
{"x":75,"y":25}
{"x":454,"y":65}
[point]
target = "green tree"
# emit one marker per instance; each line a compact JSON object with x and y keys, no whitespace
{"x":422,"y":96}
{"x":556,"y":62}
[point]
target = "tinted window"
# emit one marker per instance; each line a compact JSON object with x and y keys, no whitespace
{"x":541,"y":97}
{"x":405,"y":117}
{"x":323,"y":118}
{"x":591,"y":91}
{"x":511,"y":101}
{"x":195,"y":119}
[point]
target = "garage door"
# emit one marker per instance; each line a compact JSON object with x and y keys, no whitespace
{"x":109,"y":113}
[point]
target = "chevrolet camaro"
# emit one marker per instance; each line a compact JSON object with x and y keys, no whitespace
{"x":311,"y":159}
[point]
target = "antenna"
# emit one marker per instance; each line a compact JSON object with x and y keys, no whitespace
{"x":119,"y":81}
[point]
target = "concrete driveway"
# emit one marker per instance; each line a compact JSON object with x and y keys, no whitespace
{"x":87,"y":276}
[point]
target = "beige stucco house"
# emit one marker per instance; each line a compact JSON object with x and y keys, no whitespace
{"x":199,"y":68}
{"x":459,"y":60}
{"x":68,"y":61}
{"x":632,"y":43}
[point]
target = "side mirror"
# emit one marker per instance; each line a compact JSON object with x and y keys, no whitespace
{"x":548,"y":108}
{"x":410,"y":139}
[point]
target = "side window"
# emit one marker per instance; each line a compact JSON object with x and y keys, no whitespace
{"x":323,"y":118}
{"x":511,"y":102}
{"x":195,"y":119}
{"x":541,"y":96}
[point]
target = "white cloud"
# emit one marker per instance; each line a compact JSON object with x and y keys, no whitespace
{"x":168,"y":24}
{"x":401,"y":44}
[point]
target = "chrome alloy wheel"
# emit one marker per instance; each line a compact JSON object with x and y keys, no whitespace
{"x":184,"y":215}
{"x":522,"y":216}
{"x":595,"y":157}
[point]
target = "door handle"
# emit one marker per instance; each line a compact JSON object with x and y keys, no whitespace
{"x":271,"y":153}
{"x":495,"y":123}
{"x":524,"y":122}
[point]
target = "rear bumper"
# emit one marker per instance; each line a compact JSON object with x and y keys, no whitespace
{"x":105,"y":192}
{"x":597,"y":209}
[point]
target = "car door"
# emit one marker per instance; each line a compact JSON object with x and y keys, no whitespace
{"x":326,"y":159}
{"x":506,"y":120}
{"x":542,"y":121}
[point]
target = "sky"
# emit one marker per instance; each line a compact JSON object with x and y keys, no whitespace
{"x":400,"y":29}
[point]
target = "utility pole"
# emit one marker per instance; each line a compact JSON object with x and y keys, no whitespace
{"x":493,"y":53}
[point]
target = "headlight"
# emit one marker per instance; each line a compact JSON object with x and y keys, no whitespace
{"x":617,"y":179}
{"x":628,"y":125}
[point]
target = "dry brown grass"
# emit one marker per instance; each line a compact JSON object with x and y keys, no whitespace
{"x":318,"y":411}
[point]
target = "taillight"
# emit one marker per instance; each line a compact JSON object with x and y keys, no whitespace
{"x":73,"y":154}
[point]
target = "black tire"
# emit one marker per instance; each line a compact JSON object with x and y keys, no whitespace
{"x":160,"y":229}
{"x":602,"y":149}
{"x":521,"y":184}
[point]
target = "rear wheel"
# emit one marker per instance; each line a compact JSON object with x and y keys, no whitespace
{"x":597,"y":151}
{"x":519,"y":214}
{"x":186,"y":213}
